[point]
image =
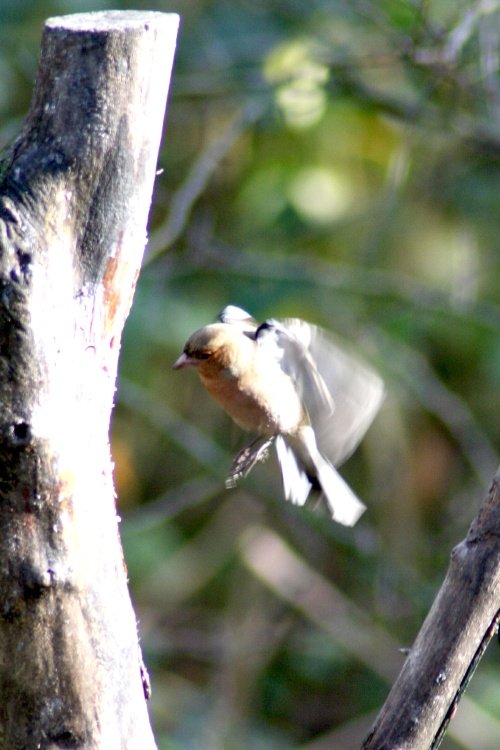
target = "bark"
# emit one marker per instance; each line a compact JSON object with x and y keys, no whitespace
{"x":454,"y":636}
{"x":75,"y":192}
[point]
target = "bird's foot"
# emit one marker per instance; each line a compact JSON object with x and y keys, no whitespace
{"x":246,"y":459}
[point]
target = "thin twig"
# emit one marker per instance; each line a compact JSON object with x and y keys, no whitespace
{"x":196,"y":181}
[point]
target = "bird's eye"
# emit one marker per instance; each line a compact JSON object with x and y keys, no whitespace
{"x":200,"y":354}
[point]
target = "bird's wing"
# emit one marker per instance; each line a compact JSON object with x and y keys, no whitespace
{"x":288,"y":343}
{"x":299,"y":361}
{"x":236,"y":316}
{"x":340,"y":393}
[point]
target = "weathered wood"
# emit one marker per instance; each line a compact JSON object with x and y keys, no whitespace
{"x":74,"y":199}
{"x":462,"y":619}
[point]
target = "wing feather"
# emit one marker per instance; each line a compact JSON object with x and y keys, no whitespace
{"x":341,"y":393}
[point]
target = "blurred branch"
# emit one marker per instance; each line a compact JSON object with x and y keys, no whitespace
{"x":345,"y":81}
{"x":476,"y":135}
{"x":319,"y":601}
{"x":441,"y":55}
{"x":348,"y":736}
{"x":413,"y":368}
{"x":170,"y":504}
{"x":458,"y":36}
{"x":189,"y":568}
{"x":192,"y":440}
{"x":452,"y":640}
{"x":197,"y":180}
{"x":370,"y":282}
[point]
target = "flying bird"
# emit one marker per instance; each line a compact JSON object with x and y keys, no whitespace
{"x":290,"y":384}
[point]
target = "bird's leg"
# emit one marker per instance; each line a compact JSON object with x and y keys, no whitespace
{"x":246,"y":459}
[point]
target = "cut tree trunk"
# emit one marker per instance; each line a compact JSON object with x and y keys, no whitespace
{"x":75,"y":191}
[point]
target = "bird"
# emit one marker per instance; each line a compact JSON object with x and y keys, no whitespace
{"x":293,"y":385}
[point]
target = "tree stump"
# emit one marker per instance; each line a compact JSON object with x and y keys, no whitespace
{"x":75,"y":191}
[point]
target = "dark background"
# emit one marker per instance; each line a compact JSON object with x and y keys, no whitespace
{"x":340,"y":162}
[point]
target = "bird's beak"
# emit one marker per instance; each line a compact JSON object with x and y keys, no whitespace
{"x":184,"y":361}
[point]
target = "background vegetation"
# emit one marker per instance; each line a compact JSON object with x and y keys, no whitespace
{"x":337,"y":160}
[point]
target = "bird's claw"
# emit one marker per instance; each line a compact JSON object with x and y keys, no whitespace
{"x":246,"y":459}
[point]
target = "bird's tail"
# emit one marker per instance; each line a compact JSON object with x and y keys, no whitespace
{"x":303,"y":467}
{"x":343,"y":504}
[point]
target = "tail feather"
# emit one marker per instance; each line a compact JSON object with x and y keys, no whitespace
{"x":344,"y":506}
{"x":296,"y":485}
{"x":302,"y":467}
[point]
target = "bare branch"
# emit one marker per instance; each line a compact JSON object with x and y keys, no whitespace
{"x":453,"y":638}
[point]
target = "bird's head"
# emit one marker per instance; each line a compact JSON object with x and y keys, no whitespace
{"x":214,"y":348}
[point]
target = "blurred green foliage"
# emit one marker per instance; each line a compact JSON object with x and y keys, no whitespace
{"x":336,"y":160}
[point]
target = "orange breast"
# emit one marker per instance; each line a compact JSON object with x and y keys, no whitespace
{"x":265,"y":401}
{"x":242,"y":405}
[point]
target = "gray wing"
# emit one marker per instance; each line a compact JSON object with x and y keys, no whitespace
{"x":340,"y":392}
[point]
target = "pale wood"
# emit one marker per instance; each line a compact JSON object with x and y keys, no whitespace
{"x":75,"y":193}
